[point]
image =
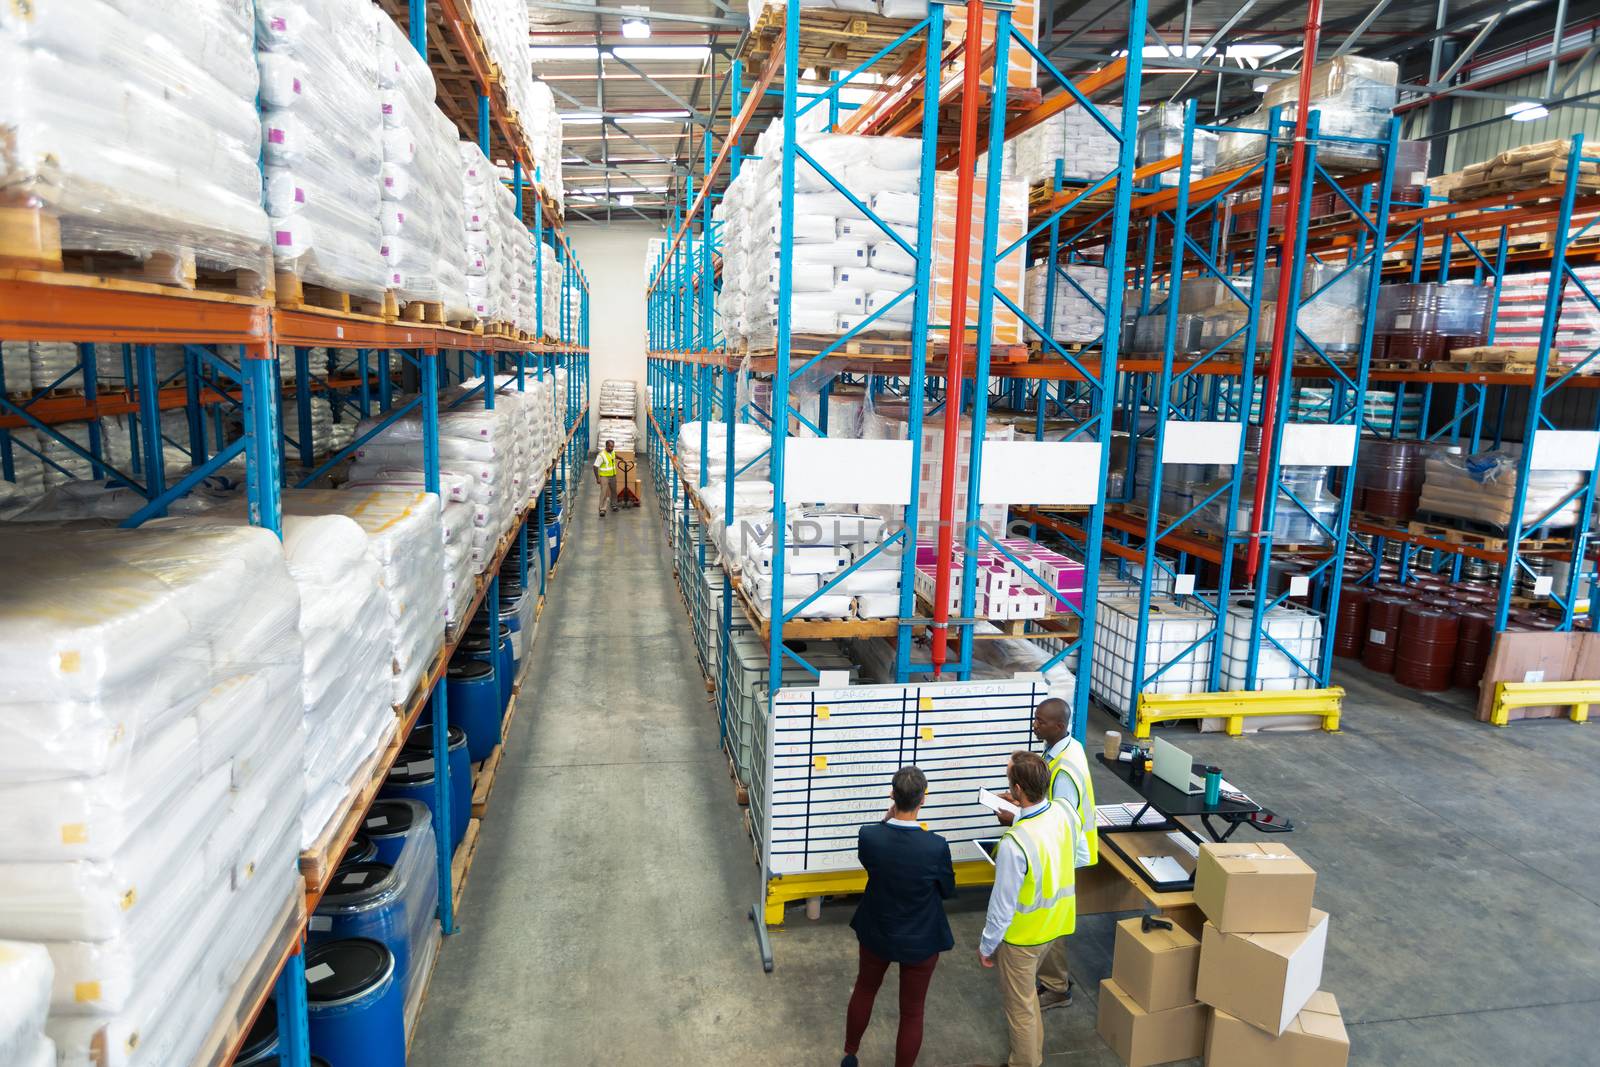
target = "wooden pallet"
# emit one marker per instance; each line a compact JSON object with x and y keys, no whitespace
{"x":1474,"y":534}
{"x":318,"y":862}
{"x":1529,"y":167}
{"x":296,"y":294}
{"x":31,"y":239}
{"x":830,"y":40}
{"x":1040,"y":194}
{"x":467,"y":325}
{"x":485,"y":774}
{"x":428,"y":312}
{"x":461,"y":863}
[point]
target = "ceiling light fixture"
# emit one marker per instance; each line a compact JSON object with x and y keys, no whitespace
{"x":636,"y":28}
{"x":1526,"y":111}
{"x":625,"y":199}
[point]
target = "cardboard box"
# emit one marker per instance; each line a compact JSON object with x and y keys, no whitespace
{"x":1140,"y":1038}
{"x":1264,"y":979}
{"x":1157,"y":968}
{"x":1254,"y":887}
{"x":1316,"y":1038}
{"x":1530,"y":657}
{"x":1101,"y":889}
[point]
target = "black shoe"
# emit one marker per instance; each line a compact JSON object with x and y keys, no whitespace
{"x":848,"y":1061}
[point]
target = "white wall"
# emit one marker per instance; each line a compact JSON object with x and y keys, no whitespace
{"x":612,"y":255}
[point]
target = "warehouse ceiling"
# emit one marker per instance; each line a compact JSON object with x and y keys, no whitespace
{"x":638,"y":109}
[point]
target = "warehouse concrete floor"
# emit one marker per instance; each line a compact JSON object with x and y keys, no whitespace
{"x":605,"y":920}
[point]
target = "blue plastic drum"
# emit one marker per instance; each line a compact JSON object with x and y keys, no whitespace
{"x":412,"y":778}
{"x":386,"y":826}
{"x":475,"y":705}
{"x":364,"y":900}
{"x":260,"y":1046}
{"x":475,"y":644}
{"x":361,"y":850}
{"x":356,"y":1003}
{"x":511,"y":619}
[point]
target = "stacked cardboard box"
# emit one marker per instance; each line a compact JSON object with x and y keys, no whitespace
{"x":1148,"y":1009}
{"x":1261,"y":960}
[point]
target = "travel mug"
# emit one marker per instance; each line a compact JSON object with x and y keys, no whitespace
{"x":1213,"y":786}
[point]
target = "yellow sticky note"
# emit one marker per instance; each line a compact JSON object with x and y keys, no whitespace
{"x":925,"y":703}
{"x":68,"y":662}
{"x":129,"y":899}
{"x":819,"y":763}
{"x":74,"y":833}
{"x":927,"y":733}
{"x":86,"y":992}
{"x":822,"y":711}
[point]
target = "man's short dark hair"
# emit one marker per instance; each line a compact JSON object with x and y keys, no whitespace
{"x":1029,"y":776}
{"x":910,"y":786}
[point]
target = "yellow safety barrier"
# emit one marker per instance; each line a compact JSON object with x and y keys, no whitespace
{"x":1508,"y":695}
{"x":785,"y":888}
{"x":1236,"y":707}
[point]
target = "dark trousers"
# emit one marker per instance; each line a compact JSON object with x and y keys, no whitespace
{"x":914,"y":979}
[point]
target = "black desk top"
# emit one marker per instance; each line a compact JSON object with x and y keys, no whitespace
{"x":1173,"y":802}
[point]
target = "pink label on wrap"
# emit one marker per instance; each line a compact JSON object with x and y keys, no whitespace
{"x":284,"y":237}
{"x":280,"y":23}
{"x":275,"y":135}
{"x":299,"y":195}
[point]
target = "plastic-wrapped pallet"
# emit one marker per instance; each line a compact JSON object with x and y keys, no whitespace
{"x":1009,"y":276}
{"x":750,"y":444}
{"x":478,"y":443}
{"x":403,"y":537}
{"x":1086,"y":150}
{"x":149,"y":776}
{"x":25,"y":977}
{"x":421,"y":181}
{"x":1351,"y":80}
{"x":134,"y":125}
{"x":346,"y":635}
{"x":16,"y":367}
{"x":478,"y":226}
{"x":1174,"y":627}
{"x":624,"y":432}
{"x":1079,"y":312}
{"x":619,"y":398}
{"x":324,"y":151}
{"x":1519,"y":316}
{"x":455,"y":525}
{"x":1482,"y":488}
{"x":1161,"y":137}
{"x":1354,"y":97}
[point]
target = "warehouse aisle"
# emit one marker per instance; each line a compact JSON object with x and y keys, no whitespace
{"x":602,"y":916}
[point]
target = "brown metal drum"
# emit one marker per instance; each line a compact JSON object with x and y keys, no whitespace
{"x":1350,"y":624}
{"x":1383,"y":632}
{"x":1473,"y":642}
{"x":1426,"y":652}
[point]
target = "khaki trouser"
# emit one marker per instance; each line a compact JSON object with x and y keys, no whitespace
{"x":608,"y":492}
{"x":1018,"y":966}
{"x":1053,"y":968}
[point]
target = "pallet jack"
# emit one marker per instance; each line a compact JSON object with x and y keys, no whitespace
{"x":626,"y":497}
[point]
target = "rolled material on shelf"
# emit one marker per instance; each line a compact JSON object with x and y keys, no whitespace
{"x":135,"y":126}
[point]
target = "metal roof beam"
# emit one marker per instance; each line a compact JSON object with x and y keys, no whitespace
{"x":695,"y":114}
{"x":1366,"y":23}
{"x":731,"y":23}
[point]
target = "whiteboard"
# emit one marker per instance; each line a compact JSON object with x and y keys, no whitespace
{"x":846,"y":471}
{"x":1040,"y":472}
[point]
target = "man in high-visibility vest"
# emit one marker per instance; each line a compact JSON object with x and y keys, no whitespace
{"x":1032,"y":903}
{"x":1068,"y":768}
{"x":605,"y":475}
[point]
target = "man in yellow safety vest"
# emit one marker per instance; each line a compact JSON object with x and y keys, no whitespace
{"x":1068,"y":769}
{"x":1032,"y":903}
{"x":605,"y":476}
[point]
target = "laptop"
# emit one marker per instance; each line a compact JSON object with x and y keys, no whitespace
{"x":1176,"y":767}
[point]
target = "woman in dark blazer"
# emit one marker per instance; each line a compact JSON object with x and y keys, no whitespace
{"x":901,"y":915}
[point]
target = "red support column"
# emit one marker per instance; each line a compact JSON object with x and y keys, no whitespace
{"x":971,"y":88}
{"x":1286,"y":263}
